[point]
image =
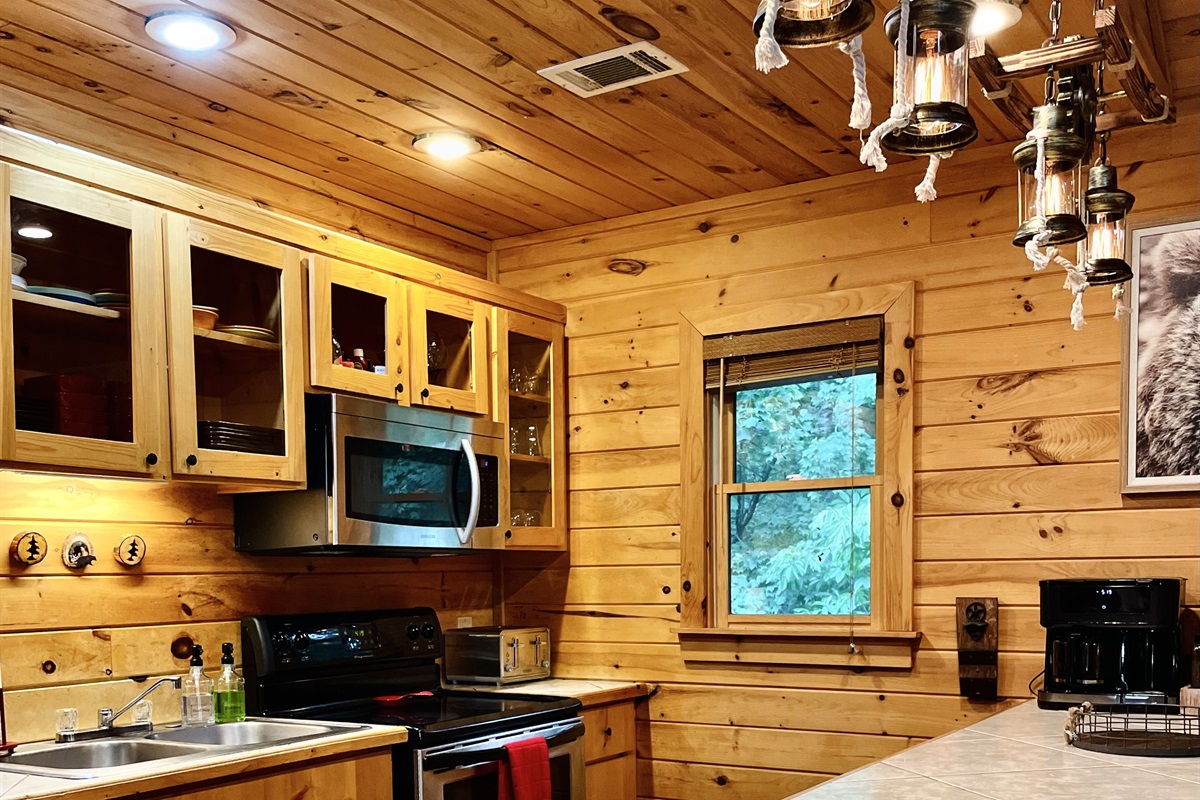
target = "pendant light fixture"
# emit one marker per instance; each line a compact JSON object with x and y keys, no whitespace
{"x":932,"y":80}
{"x":993,"y":16}
{"x":1048,"y":175}
{"x":812,"y":23}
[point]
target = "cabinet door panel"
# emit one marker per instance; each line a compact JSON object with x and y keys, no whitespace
{"x":449,"y":351}
{"x":82,"y":361}
{"x":360,"y":309}
{"x":236,"y":390}
{"x":528,"y":394}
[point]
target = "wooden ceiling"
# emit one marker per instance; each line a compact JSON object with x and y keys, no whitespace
{"x":326,"y":95}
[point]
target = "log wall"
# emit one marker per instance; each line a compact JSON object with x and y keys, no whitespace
{"x":1016,"y":453}
{"x":89,"y":639}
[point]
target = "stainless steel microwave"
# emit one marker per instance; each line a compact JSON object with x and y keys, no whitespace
{"x":382,"y":480}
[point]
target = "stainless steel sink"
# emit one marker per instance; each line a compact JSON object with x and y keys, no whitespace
{"x":164,"y":748}
{"x":92,"y":758}
{"x":251,"y":733}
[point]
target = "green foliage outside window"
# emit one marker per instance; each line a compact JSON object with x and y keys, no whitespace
{"x":795,"y":552}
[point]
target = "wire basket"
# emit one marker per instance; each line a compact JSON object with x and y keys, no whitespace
{"x":1135,"y":730}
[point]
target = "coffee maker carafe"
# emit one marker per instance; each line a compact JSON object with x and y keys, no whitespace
{"x":1111,"y":641}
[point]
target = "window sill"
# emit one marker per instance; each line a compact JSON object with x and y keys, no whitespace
{"x":817,"y":648}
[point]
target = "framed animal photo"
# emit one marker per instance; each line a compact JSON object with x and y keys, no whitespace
{"x":1160,"y":406}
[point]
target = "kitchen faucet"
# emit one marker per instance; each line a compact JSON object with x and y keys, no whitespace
{"x":106,"y":717}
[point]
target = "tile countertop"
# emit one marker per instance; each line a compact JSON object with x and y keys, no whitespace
{"x":590,"y":693}
{"x":1018,"y":754}
{"x":143,"y":778}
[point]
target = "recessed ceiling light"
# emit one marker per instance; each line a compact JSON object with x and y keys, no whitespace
{"x":447,"y":144}
{"x":993,"y":16}
{"x":34,"y":231}
{"x":188,"y":30}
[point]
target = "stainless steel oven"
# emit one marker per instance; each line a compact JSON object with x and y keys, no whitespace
{"x":382,"y":668}
{"x":382,"y":478}
{"x":468,"y":770}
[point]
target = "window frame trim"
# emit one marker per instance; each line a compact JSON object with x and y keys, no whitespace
{"x":892,"y":619}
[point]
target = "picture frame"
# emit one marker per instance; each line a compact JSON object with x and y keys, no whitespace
{"x":1160,"y":396}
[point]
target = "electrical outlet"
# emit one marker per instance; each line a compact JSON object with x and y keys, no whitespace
{"x":464,"y":622}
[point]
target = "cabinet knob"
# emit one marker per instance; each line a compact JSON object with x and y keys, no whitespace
{"x":399,"y":388}
{"x":608,"y":731}
{"x":152,"y":458}
{"x":191,"y":460}
{"x":424,"y":393}
{"x":508,"y":534}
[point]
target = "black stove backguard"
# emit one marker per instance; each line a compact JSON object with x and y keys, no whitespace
{"x":1111,"y":641}
{"x":296,"y":663}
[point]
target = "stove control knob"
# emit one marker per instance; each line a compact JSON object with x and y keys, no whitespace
{"x":428,"y":630}
{"x":281,"y":642}
{"x":300,"y":641}
{"x":413,"y":632}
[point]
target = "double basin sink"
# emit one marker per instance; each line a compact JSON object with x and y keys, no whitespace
{"x":168,"y":747}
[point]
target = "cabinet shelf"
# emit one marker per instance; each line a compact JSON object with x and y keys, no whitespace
{"x":229,"y":338}
{"x":520,"y":458}
{"x":65,"y":305}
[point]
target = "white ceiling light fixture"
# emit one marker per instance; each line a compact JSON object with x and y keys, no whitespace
{"x":993,"y":16}
{"x":447,"y":144}
{"x":34,"y":230}
{"x":190,"y":31}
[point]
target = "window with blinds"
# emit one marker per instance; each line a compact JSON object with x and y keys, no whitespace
{"x":793,"y":469}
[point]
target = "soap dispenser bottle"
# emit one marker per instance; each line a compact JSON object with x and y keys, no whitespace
{"x":230,"y":689}
{"x":197,"y":693}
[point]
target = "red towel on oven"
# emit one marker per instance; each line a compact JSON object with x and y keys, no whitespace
{"x":525,"y":775}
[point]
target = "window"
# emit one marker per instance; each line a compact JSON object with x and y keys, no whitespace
{"x":797,"y":508}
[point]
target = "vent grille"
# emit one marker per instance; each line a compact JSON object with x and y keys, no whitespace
{"x":613,"y":69}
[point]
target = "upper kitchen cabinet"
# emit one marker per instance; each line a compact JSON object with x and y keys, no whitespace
{"x":235,"y":330}
{"x":449,"y":351}
{"x":357,"y":319}
{"x":528,"y":394}
{"x":82,"y":347}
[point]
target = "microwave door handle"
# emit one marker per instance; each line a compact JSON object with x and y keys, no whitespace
{"x":464,"y":533}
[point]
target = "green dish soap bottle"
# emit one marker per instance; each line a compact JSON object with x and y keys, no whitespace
{"x":230,"y":690}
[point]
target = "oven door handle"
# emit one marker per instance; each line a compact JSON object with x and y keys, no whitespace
{"x":458,"y":759}
{"x":464,"y":533}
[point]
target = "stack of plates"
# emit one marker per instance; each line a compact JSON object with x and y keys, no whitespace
{"x":19,"y":284}
{"x":34,"y":414}
{"x":115,"y":301}
{"x":71,"y":295}
{"x":249,"y":331}
{"x":242,"y":438}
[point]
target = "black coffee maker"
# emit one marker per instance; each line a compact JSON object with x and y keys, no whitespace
{"x":1111,"y":641}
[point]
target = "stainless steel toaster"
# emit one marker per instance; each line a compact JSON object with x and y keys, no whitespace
{"x":496,"y":655}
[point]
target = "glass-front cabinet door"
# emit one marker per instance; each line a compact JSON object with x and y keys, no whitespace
{"x":234,"y":320}
{"x":357,"y":320}
{"x":82,"y":346}
{"x":528,"y":394}
{"x":449,"y":351}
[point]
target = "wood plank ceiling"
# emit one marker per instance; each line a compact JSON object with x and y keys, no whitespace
{"x":326,"y":95}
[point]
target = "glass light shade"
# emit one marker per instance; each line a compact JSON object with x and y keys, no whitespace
{"x":1059,"y":201}
{"x":813,"y":23}
{"x":993,"y":16}
{"x":935,"y":64}
{"x":1102,"y":252}
{"x":190,"y":31}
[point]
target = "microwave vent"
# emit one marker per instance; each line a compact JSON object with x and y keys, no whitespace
{"x":614,"y":69}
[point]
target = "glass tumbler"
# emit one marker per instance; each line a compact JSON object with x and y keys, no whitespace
{"x":531,"y":443}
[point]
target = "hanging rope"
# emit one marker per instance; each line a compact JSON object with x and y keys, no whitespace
{"x":901,"y":110}
{"x":925,"y":191}
{"x":1077,"y":283}
{"x":768,"y":55}
{"x":1122,"y":304}
{"x":860,"y":111}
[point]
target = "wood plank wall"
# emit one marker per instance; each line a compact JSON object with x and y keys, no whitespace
{"x":88,"y":639}
{"x":1016,"y":453}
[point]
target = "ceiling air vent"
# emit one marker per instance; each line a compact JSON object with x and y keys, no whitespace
{"x":613,"y":69}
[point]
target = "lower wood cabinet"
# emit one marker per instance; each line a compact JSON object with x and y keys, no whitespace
{"x":609,"y":743}
{"x":358,"y":777}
